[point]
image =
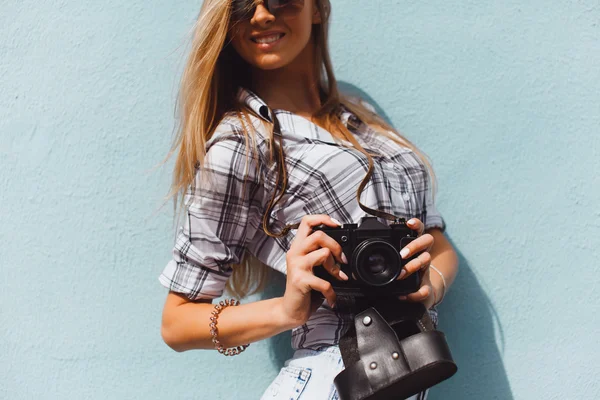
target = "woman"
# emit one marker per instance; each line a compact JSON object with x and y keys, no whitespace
{"x":267,"y":145}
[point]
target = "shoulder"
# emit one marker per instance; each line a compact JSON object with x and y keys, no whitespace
{"x":360,"y":111}
{"x":236,"y":149}
{"x":252,"y":130}
{"x":355,"y":99}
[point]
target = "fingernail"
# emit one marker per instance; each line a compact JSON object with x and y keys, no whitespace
{"x":411,"y":221}
{"x":343,"y":275}
{"x":336,"y":221}
{"x":344,"y":259}
{"x":402,"y":273}
{"x":333,"y":305}
{"x":404,"y":252}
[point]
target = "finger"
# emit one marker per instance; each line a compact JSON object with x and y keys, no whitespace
{"x":323,"y":257}
{"x":317,"y":257}
{"x":333,"y":267}
{"x":337,"y":272}
{"x":310,"y":221}
{"x":320,"y":239}
{"x":422,"y":294}
{"x":416,"y":224}
{"x":322,"y":286}
{"x":422,"y":243}
{"x":419,"y":263}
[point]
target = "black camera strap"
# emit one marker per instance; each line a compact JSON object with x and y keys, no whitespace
{"x":392,"y":350}
{"x":392,"y":310}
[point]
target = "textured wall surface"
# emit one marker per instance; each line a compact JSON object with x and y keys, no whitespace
{"x":503,"y":96}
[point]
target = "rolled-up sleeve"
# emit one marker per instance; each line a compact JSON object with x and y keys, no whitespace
{"x":433,"y":218}
{"x":223,"y":210}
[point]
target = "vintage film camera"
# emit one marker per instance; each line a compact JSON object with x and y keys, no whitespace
{"x":374,"y":262}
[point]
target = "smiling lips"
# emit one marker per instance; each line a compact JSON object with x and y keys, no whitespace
{"x":268,"y":43}
{"x":268,"y":39}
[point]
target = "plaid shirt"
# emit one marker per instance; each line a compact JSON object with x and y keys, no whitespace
{"x":224,"y":219}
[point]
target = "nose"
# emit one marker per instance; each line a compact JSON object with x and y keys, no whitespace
{"x":262,"y":16}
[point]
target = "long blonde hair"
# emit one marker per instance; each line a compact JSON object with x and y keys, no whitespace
{"x":207,"y":91}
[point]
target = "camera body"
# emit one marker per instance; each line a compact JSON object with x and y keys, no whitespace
{"x":374,"y":262}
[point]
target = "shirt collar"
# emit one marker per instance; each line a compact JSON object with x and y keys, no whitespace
{"x":296,"y":125}
{"x":255,"y":103}
{"x":258,"y":105}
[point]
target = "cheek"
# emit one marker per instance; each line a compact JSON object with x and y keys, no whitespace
{"x":237,"y":40}
{"x":301,"y":29}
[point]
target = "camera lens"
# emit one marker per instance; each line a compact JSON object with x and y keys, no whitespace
{"x":377,"y":262}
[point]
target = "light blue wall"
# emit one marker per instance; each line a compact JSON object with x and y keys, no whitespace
{"x":503,"y":96}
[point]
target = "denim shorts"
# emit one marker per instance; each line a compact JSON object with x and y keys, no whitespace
{"x":309,"y":374}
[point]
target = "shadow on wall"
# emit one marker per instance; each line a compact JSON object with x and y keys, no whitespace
{"x":350,"y":89}
{"x":467,"y":317}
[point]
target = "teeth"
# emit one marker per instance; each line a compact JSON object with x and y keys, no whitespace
{"x":268,"y":39}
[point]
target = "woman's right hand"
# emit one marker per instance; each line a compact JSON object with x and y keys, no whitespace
{"x":309,"y":249}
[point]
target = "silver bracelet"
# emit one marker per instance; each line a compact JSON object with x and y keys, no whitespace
{"x":443,"y":283}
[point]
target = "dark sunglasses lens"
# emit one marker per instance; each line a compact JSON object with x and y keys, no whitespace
{"x":244,"y":9}
{"x":285,"y":7}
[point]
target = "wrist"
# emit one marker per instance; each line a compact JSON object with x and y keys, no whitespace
{"x":437,"y":282}
{"x":283,"y":320}
{"x":435,"y":293}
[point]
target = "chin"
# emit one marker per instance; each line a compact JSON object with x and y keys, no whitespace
{"x":269,"y":62}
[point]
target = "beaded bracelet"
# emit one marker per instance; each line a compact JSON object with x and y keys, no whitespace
{"x":232,"y":351}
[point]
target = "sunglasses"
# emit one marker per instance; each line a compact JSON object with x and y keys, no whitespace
{"x":245,"y":9}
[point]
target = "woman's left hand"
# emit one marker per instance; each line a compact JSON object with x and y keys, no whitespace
{"x":422,"y":244}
